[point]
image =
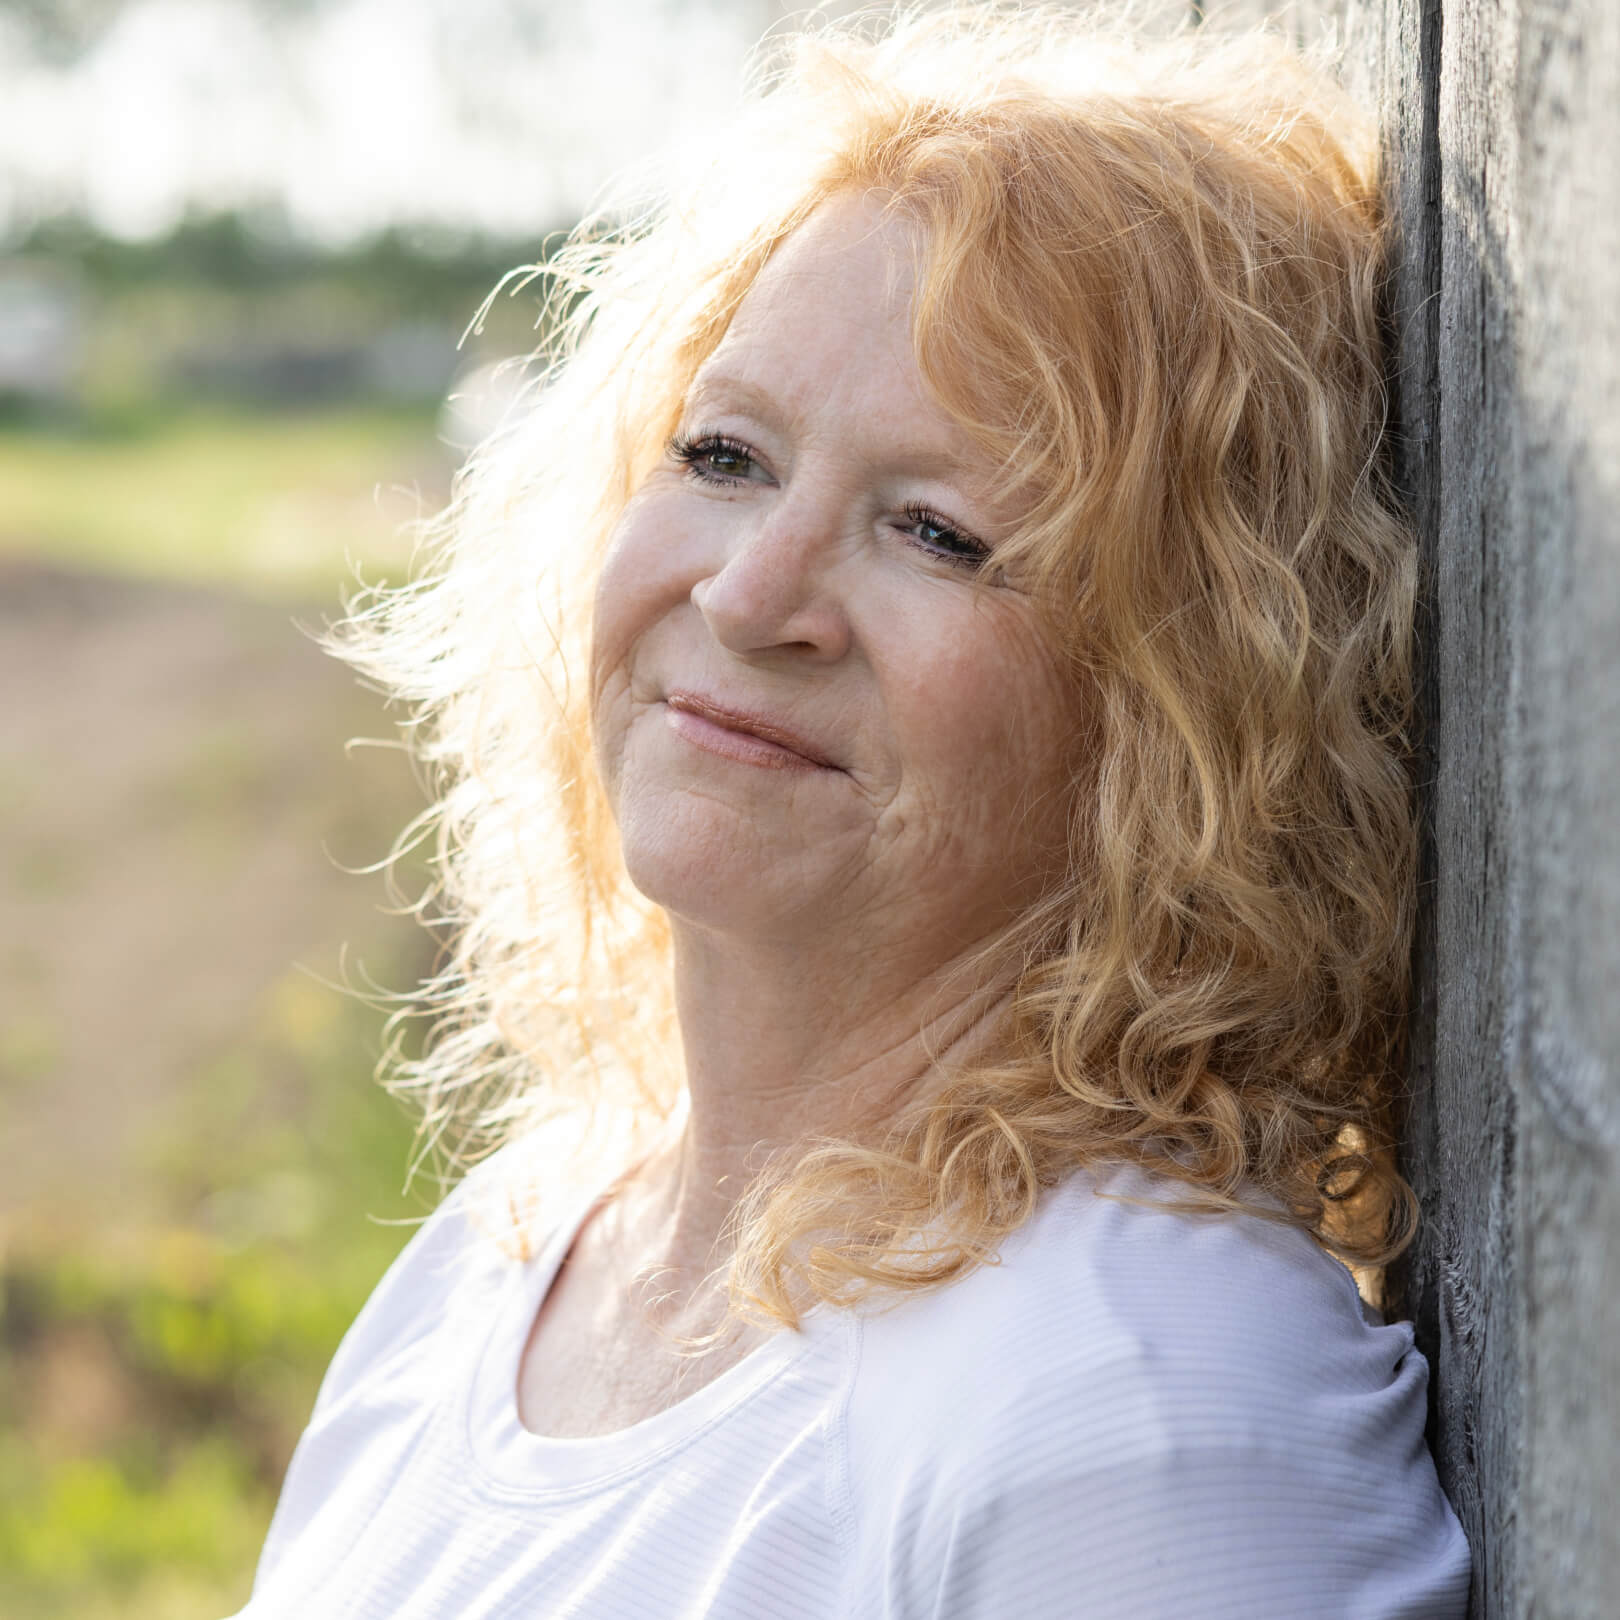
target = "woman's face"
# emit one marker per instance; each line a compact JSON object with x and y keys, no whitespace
{"x":813,"y":710}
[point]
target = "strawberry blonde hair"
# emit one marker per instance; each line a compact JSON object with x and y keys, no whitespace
{"x":1149,"y":283}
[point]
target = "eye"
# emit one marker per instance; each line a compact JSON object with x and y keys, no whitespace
{"x":941,"y":538}
{"x":714,"y":458}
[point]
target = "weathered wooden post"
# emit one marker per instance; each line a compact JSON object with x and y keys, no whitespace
{"x":1502,"y":128}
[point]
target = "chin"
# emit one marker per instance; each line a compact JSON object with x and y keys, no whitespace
{"x":713,"y":866}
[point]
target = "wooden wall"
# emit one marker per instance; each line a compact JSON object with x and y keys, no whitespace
{"x":1501,"y":121}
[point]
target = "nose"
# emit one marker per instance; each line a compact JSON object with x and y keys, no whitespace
{"x":776,"y":590}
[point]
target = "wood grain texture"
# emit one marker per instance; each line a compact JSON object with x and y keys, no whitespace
{"x":1465,"y":1282}
{"x":1501,"y":129}
{"x":1502,"y":133}
{"x":1564,"y":109}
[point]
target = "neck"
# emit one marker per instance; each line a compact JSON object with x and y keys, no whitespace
{"x":783,"y":1046}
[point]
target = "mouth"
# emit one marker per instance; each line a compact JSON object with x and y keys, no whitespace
{"x":747,"y":737}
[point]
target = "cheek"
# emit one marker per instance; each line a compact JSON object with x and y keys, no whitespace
{"x":625,"y":603}
{"x":641,"y":583}
{"x":621,"y":612}
{"x":994,"y":729}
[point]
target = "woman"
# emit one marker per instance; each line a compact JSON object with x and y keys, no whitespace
{"x":998,"y":688}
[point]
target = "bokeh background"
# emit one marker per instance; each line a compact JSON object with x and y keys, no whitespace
{"x":240,"y":244}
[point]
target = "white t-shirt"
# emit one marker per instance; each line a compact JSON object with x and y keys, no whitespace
{"x":1135,"y":1415}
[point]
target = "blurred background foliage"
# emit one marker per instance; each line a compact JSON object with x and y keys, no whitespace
{"x":207,"y":431}
{"x":203,"y":437}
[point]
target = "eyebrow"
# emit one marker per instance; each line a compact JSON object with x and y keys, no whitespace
{"x":737,"y":389}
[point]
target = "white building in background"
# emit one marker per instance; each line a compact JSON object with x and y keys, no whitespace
{"x":42,"y":333}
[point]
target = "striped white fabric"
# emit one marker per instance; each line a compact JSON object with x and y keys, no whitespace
{"x":1134,"y":1415}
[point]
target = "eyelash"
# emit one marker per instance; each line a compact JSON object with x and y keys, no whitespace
{"x":693,"y":452}
{"x":977,"y":554}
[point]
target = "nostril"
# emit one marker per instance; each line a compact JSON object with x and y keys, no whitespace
{"x":755,"y":604}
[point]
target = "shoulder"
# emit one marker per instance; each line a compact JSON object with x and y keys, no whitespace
{"x":465,"y":1249}
{"x":1139,"y":1394}
{"x":400,"y":1357}
{"x":1109,"y":1306}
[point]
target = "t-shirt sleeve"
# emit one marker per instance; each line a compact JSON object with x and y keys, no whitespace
{"x":1141,"y":1416}
{"x":1223,"y":1530}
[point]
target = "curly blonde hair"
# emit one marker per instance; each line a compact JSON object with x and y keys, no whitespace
{"x":1150,"y":286}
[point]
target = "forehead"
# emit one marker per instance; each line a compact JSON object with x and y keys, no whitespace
{"x":826,"y":330}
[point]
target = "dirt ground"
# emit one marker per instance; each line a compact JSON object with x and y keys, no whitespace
{"x":176,"y":810}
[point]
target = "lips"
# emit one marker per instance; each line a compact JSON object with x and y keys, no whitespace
{"x":746,"y":724}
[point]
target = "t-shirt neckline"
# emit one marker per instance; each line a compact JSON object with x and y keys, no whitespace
{"x":512,"y":1457}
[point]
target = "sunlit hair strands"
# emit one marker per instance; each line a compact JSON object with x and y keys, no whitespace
{"x":1149,"y":277}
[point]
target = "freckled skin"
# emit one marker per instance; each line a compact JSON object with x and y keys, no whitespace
{"x":802,"y":592}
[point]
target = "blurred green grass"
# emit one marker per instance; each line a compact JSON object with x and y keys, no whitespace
{"x":157,"y":1366}
{"x":281,"y":502}
{"x":154,"y":1379}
